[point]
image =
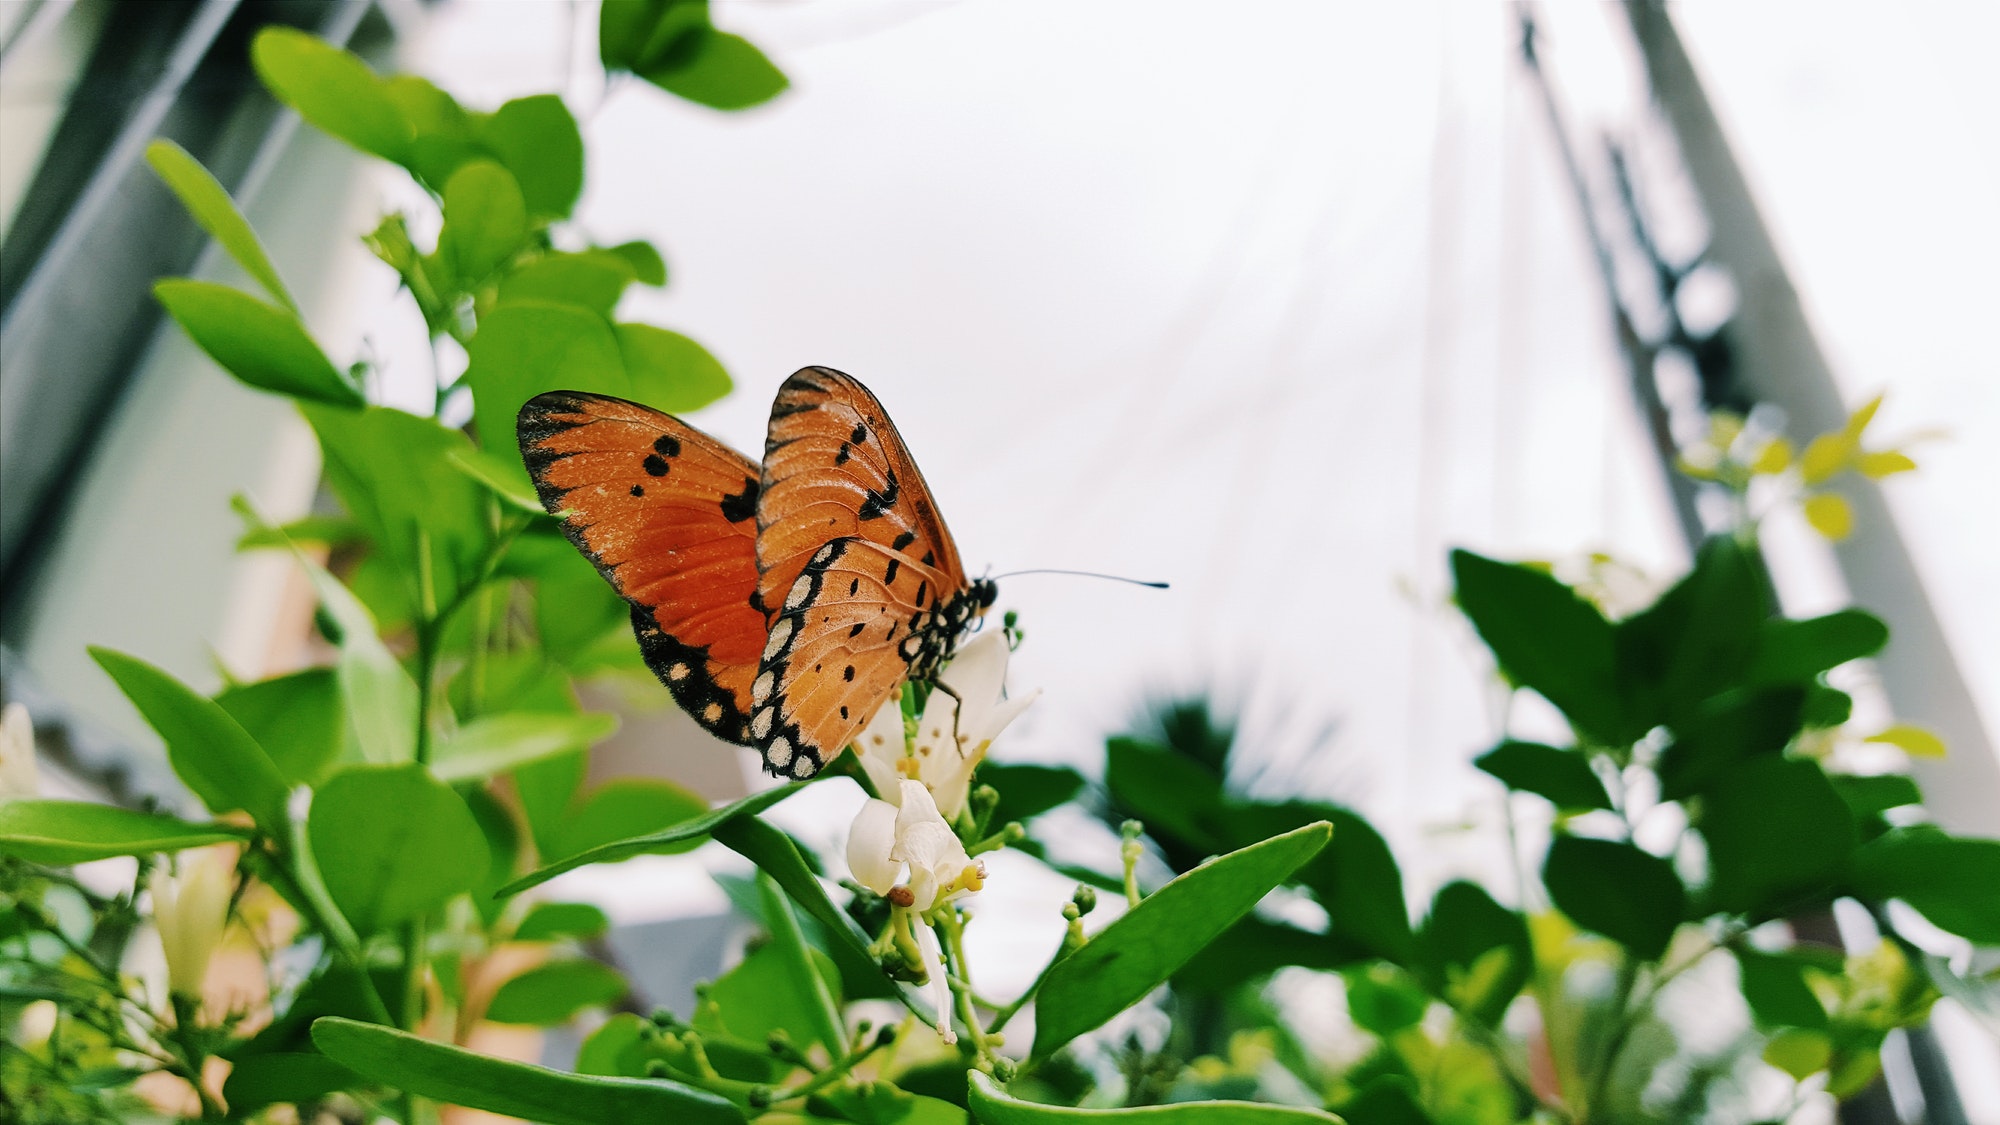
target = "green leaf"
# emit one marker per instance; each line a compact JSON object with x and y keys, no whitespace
{"x":395,"y":474}
{"x":1800,"y":1053}
{"x":60,"y":833}
{"x":1355,"y":878}
{"x":333,"y":531}
{"x":1826,"y":708}
{"x":685,"y":831}
{"x":1253,"y":947}
{"x":1547,"y":638}
{"x":668,"y":371}
{"x":1563,"y":777}
{"x":485,"y":221}
{"x":1775,"y":988}
{"x":628,"y":808}
{"x":1179,"y":800}
{"x":526,"y":347}
{"x":495,"y":744}
{"x":551,"y":921}
{"x":761,"y":995}
{"x":648,"y":268}
{"x":994,"y":1106}
{"x":331,"y":89}
{"x":1383,"y":999}
{"x":1876,"y":794}
{"x":631,"y":33}
{"x":593,"y":279}
{"x":443,"y":133}
{"x":1948,"y":879}
{"x":718,"y":70}
{"x":537,"y":139}
{"x":497,"y":477}
{"x":1028,"y":791}
{"x":297,"y":719}
{"x":1132,"y":955}
{"x":1465,"y":926}
{"x":210,"y":205}
{"x":1797,"y":651}
{"x":393,"y":842}
{"x":258,"y":1081}
{"x":555,"y":992}
{"x":1778,"y":837}
{"x":1615,"y":889}
{"x":554,"y":1097}
{"x":811,"y":975}
{"x":1693,"y":642}
{"x":380,"y":695}
{"x":210,"y":751}
{"x":1725,"y":731}
{"x":263,"y":345}
{"x":754,"y":839}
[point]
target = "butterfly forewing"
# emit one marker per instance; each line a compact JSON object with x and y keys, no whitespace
{"x":667,"y":514}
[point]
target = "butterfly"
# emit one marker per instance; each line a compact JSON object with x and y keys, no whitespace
{"x":782,"y":604}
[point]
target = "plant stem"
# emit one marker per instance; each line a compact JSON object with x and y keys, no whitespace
{"x":961,"y":987}
{"x":806,"y":980}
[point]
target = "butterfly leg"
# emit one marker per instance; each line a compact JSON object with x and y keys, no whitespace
{"x":958,"y":706}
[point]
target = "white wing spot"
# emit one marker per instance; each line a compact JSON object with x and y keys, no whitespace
{"x":780,"y":753}
{"x":760,"y":724}
{"x":780,"y":633}
{"x":800,"y":591}
{"x":761,"y":690}
{"x":825,"y":553}
{"x":712,"y":712}
{"x":678,"y":672}
{"x":802,"y":767}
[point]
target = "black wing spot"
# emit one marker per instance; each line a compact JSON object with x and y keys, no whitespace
{"x":853,"y":587}
{"x":843,"y":712}
{"x":841,"y":457}
{"x":903,"y":540}
{"x":930,"y":558}
{"x":922,"y":588}
{"x":856,"y":631}
{"x":667,"y":445}
{"x":743,"y":505}
{"x":638,"y":490}
{"x":889,"y":576}
{"x":849,"y":674}
{"x":878,"y":504}
{"x":656,"y":465}
{"x":859,"y":435}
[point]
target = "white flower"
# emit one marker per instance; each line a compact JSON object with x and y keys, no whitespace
{"x":189,"y":909}
{"x":19,"y":777}
{"x":885,"y":838}
{"x":940,"y":988}
{"x":971,"y":704}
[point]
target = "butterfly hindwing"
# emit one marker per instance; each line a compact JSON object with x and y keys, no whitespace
{"x":667,"y":514}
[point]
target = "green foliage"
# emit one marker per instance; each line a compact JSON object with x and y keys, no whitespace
{"x":1618,"y":890}
{"x":555,"y":992}
{"x":671,"y":44}
{"x":995,"y":1107}
{"x":1144,"y":947}
{"x":366,"y":825}
{"x":212,"y":207}
{"x":1563,"y":777}
{"x":66,"y":832}
{"x":263,"y":345}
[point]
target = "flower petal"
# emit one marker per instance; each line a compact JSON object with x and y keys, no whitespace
{"x":871,"y":846}
{"x":880,"y":744}
{"x":940,"y":988}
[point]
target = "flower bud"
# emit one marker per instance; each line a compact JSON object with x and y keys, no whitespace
{"x":190,"y":907}
{"x":1085,"y":899}
{"x":19,"y":777}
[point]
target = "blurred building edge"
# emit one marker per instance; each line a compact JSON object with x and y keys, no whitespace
{"x":120,"y":444}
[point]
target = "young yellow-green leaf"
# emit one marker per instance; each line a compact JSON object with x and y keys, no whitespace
{"x":555,"y":992}
{"x":1912,"y":740}
{"x":263,"y":345}
{"x":211,"y":206}
{"x":688,"y":830}
{"x":537,"y":139}
{"x":1799,"y":1052}
{"x":393,"y":842}
{"x":1774,"y":458}
{"x":1617,"y":890}
{"x":718,"y":70}
{"x":485,"y":221}
{"x":997,"y":1107}
{"x":669,"y":371}
{"x":1474,"y":951}
{"x":332,"y":89}
{"x":1884,"y":463}
{"x":65,"y":832}
{"x":648,"y":268}
{"x":1134,"y":954}
{"x":1830,"y":514}
{"x":495,"y":744}
{"x":625,"y":808}
{"x":1858,"y":421}
{"x":210,"y":751}
{"x":554,"y":1097}
{"x":1824,"y":458}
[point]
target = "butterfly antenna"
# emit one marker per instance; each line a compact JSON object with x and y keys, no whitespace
{"x":1084,"y":574}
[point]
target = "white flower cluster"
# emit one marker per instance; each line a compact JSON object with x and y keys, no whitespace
{"x":925,"y":782}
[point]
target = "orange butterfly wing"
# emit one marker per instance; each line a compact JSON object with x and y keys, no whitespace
{"x":860,"y":575}
{"x":667,"y":514}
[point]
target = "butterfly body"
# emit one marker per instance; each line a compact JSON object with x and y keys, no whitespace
{"x":780,"y":603}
